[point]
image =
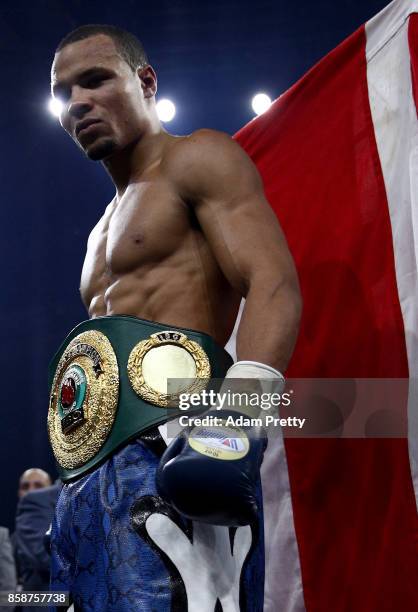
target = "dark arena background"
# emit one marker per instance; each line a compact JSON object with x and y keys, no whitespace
{"x":210,"y":60}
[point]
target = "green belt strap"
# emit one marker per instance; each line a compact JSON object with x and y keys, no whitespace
{"x":133,"y":414}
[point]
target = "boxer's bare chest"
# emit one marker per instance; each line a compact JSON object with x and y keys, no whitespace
{"x":135,"y":239}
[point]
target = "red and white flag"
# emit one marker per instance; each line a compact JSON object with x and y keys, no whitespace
{"x":338,"y":154}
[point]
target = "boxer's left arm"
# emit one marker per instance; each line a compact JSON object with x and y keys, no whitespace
{"x":217,"y":178}
{"x":224,"y":186}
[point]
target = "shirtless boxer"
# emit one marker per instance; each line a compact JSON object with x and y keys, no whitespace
{"x":187,"y":235}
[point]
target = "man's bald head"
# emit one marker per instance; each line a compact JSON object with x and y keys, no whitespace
{"x":33,"y":479}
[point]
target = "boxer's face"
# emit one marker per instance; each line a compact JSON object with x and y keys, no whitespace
{"x":104,"y":100}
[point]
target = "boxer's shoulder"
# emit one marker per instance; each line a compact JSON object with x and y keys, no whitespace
{"x":208,"y":160}
{"x":202,"y":145}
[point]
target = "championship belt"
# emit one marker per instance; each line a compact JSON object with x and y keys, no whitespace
{"x":108,"y":383}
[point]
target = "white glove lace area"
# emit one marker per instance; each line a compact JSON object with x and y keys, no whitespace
{"x":256,"y":370}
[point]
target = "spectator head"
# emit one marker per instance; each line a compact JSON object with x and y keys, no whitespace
{"x":33,"y":479}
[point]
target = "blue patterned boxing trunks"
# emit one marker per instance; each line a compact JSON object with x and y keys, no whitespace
{"x":116,"y":547}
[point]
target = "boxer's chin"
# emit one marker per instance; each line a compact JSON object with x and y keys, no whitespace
{"x":99,"y":150}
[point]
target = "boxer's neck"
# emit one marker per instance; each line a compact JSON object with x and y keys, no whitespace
{"x":129,"y":164}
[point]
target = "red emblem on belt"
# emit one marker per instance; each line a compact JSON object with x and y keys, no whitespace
{"x":68,"y":393}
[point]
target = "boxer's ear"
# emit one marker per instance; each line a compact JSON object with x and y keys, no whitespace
{"x":148,"y":80}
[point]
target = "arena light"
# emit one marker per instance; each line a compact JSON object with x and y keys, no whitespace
{"x":260,"y":103}
{"x":166,"y":110}
{"x":55,"y":106}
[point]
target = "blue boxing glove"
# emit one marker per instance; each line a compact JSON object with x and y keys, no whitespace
{"x":210,"y":472}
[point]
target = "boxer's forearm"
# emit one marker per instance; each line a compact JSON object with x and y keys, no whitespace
{"x":269,"y":325}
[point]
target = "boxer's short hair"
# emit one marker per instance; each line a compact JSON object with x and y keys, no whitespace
{"x":128,"y":45}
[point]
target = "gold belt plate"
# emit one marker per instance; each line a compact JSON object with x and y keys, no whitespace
{"x":167,"y":355}
{"x":84,"y":399}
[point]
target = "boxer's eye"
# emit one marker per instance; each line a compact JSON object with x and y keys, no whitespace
{"x":94,"y":82}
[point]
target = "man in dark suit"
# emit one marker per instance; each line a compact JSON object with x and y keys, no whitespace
{"x":7,"y":565}
{"x":34,"y":515}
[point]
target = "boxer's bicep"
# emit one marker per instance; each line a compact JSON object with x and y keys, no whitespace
{"x":234,"y":215}
{"x":246,"y":240}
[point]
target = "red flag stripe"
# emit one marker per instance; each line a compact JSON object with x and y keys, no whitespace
{"x":353,"y":502}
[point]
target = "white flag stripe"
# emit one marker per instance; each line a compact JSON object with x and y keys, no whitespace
{"x":283,"y":590}
{"x":283,"y":581}
{"x":383,"y":26}
{"x":396,"y":131}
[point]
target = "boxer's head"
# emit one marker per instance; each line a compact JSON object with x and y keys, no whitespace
{"x":102,"y":76}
